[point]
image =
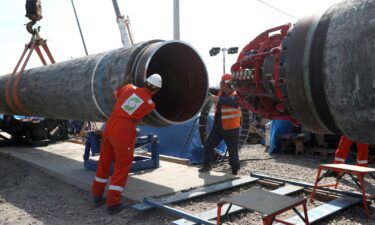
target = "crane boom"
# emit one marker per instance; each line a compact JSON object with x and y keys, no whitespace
{"x":121,"y":21}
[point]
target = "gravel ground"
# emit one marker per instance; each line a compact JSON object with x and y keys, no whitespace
{"x":28,"y":196}
{"x":302,"y":168}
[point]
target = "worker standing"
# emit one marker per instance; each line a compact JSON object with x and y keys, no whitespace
{"x":132,"y":104}
{"x":343,"y":150}
{"x":226,"y":126}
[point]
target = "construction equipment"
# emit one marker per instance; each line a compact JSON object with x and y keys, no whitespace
{"x":130,"y":31}
{"x":124,"y":26}
{"x":318,"y":73}
{"x":149,"y":141}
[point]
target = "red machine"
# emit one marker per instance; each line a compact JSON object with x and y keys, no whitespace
{"x":259,"y":75}
{"x":317,"y":73}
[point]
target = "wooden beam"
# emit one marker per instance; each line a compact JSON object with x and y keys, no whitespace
{"x":167,"y":158}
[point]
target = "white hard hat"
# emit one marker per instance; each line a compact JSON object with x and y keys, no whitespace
{"x":155,"y":80}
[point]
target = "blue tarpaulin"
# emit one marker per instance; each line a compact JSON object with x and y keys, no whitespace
{"x":182,"y":141}
{"x":278,"y":127}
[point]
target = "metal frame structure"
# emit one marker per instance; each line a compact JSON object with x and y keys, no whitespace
{"x":179,"y":197}
{"x":346,"y":200}
{"x":344,"y":169}
{"x":139,"y":162}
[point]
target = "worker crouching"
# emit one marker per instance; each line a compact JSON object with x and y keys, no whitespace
{"x":226,"y":126}
{"x":118,"y":141}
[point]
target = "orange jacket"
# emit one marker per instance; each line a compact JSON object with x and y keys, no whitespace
{"x":230,"y":116}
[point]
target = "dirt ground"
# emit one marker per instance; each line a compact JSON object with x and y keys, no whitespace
{"x":28,"y":196}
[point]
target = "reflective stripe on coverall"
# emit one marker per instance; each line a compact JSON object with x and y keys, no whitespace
{"x":119,"y":139}
{"x":343,"y":150}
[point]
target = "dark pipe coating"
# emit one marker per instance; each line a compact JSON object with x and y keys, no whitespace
{"x":330,"y":70}
{"x":82,"y":89}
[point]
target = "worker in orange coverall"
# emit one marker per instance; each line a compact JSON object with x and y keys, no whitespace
{"x":118,"y":141}
{"x":343,"y":150}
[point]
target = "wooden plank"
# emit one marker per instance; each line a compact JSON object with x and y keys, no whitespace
{"x":269,"y":183}
{"x":75,"y":141}
{"x":197,"y":192}
{"x":325,"y":210}
{"x":167,"y":158}
{"x":322,"y":195}
{"x":212,"y":213}
{"x":322,"y":151}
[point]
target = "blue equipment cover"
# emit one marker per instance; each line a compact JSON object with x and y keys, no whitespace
{"x":182,"y":141}
{"x":278,"y":127}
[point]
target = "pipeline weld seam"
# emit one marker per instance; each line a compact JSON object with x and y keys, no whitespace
{"x":306,"y":60}
{"x":100,"y":71}
{"x":93,"y":90}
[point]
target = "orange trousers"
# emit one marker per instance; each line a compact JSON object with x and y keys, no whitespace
{"x":117,"y":146}
{"x":343,"y":150}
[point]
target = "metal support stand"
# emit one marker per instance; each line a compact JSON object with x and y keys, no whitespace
{"x":267,"y":203}
{"x":143,"y":163}
{"x":343,"y":169}
{"x":139,"y":162}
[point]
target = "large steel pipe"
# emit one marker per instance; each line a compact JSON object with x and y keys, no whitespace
{"x":82,"y":89}
{"x":330,"y":70}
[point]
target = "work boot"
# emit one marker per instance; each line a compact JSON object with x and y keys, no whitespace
{"x":98,"y":201}
{"x":114,"y":209}
{"x":235,"y":170}
{"x":205,"y":168}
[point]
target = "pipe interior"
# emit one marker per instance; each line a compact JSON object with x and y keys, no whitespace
{"x":185,"y":81}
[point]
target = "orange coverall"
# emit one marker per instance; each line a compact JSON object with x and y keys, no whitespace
{"x":343,"y":150}
{"x":119,"y":139}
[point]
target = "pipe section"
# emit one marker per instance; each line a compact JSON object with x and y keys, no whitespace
{"x":83,"y":88}
{"x":330,"y":70}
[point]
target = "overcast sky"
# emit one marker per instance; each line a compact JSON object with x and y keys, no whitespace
{"x":204,"y":24}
